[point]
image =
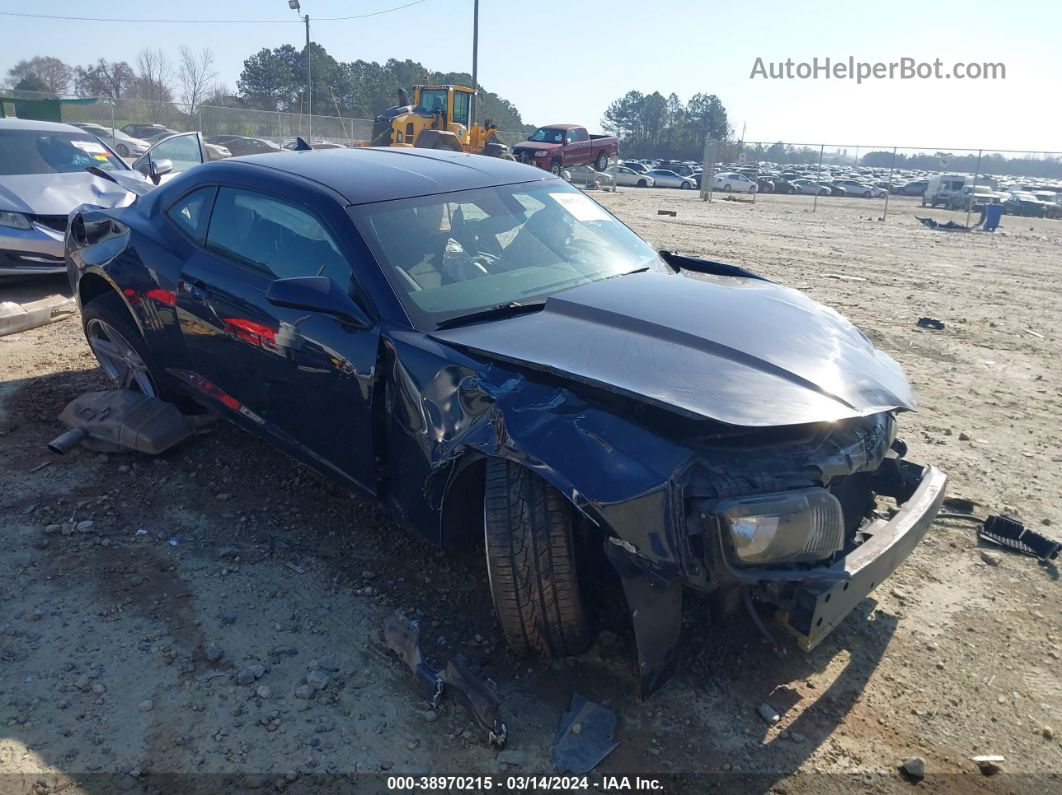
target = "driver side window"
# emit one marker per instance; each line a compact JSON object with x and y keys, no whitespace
{"x":274,"y":236}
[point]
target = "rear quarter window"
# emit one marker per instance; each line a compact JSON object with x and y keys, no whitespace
{"x":191,"y":213}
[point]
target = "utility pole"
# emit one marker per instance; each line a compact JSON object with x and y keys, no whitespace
{"x":475,"y":60}
{"x":294,"y":6}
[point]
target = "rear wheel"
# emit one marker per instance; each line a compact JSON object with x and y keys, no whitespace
{"x":601,"y":163}
{"x":531,"y":562}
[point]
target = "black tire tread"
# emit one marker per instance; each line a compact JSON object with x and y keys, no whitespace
{"x":534,"y":584}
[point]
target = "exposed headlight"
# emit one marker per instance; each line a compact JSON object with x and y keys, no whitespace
{"x":541,"y":153}
{"x":15,"y":220}
{"x":789,"y":527}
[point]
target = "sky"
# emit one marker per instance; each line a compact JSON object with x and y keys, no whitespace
{"x":566,"y":61}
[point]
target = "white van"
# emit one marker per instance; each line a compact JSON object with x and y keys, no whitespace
{"x":942,"y":187}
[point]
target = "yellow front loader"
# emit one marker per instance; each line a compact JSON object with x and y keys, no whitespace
{"x":438,"y":118}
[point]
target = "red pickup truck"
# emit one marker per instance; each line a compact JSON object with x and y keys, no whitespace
{"x":560,"y":146}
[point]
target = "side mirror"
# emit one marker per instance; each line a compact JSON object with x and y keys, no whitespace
{"x":156,"y":168}
{"x":317,"y":294}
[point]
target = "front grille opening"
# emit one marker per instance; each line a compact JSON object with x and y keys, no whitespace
{"x":54,"y":222}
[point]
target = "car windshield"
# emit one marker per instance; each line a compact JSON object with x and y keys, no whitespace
{"x":48,"y":152}
{"x":458,"y":253}
{"x":547,"y":135}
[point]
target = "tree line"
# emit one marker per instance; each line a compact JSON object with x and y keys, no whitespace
{"x":965,"y":163}
{"x":652,"y":125}
{"x":191,"y":78}
{"x":271,"y":79}
{"x":276,"y":80}
{"x":995,"y":163}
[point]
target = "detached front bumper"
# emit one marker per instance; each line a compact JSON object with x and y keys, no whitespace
{"x":820,"y":604}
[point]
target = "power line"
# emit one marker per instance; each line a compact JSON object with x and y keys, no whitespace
{"x":209,"y":21}
{"x":370,"y":14}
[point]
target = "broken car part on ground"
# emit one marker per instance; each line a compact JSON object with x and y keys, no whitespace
{"x":488,"y":353}
{"x":403,"y":638}
{"x":121,"y":419}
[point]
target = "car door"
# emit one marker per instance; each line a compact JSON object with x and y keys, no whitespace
{"x":182,"y":152}
{"x":303,"y":377}
{"x":577,"y":150}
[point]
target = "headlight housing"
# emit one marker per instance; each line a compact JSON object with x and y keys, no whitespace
{"x":787,"y":527}
{"x":541,"y":153}
{"x":14,"y":220}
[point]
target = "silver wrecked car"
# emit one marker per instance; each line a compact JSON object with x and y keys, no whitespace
{"x":43,"y":176}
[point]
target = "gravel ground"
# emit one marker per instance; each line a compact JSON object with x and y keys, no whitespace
{"x":215,"y":613}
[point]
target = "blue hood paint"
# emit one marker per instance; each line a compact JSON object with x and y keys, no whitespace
{"x":740,"y":351}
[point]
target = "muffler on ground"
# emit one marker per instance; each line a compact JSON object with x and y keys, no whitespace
{"x":118,"y":419}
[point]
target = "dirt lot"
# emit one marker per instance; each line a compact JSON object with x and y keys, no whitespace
{"x":122,"y":578}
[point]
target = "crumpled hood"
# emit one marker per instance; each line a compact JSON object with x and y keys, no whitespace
{"x":58,"y":194}
{"x":737,"y":350}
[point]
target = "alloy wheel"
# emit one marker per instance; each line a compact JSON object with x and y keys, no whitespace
{"x":118,"y":358}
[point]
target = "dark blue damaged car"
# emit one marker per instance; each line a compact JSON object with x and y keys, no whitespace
{"x":486,"y":352}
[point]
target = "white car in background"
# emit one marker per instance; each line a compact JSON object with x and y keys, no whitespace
{"x":861,"y":189}
{"x":809,"y":187}
{"x":124,"y":145}
{"x":635,"y":179}
{"x":663,"y":178}
{"x":737,"y":183}
{"x":586,"y":177}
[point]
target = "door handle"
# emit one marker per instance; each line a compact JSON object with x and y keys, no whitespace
{"x":195,"y":288}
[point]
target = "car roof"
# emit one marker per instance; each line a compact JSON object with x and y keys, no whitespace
{"x":368,"y":174}
{"x":32,"y":124}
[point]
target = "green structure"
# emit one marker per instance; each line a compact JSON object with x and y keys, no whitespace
{"x":14,"y":103}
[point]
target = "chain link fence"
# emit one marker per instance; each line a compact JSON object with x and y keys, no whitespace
{"x":276,"y":126}
{"x":218,"y":121}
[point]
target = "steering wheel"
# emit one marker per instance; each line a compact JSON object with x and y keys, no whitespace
{"x":465,"y":267}
{"x":583,"y":251}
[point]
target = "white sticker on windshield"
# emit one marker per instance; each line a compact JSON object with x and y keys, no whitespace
{"x":580,"y":206}
{"x":92,"y":147}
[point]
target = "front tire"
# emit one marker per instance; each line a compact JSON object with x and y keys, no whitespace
{"x":684,"y":186}
{"x":555,"y":168}
{"x":642,"y":183}
{"x":727,"y":188}
{"x":531,"y":562}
